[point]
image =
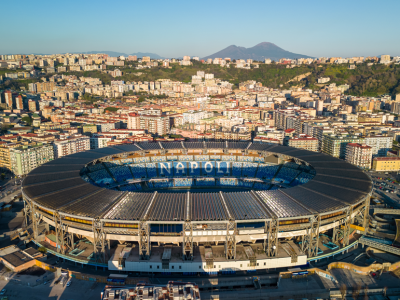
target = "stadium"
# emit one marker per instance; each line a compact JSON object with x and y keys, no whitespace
{"x":195,"y":207}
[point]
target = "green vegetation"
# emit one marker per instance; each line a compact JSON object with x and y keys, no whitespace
{"x":364,"y":80}
{"x":111,"y":108}
{"x":28,"y":120}
{"x":89,"y":98}
{"x":269,"y":75}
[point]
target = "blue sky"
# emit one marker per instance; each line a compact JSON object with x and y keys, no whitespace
{"x":199,"y":28}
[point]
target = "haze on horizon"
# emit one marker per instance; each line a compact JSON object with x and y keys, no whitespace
{"x":314,"y":28}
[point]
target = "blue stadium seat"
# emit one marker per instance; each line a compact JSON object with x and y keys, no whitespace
{"x":95,"y":167}
{"x":227,"y":182}
{"x":151,"y":170}
{"x":160,"y":184}
{"x":205,"y":182}
{"x":259,"y":159}
{"x":158,"y":158}
{"x":144,"y":159}
{"x":121,"y":173}
{"x":228,"y":157}
{"x":245,"y":183}
{"x":183,"y":182}
{"x":138,"y":170}
{"x":201,"y":158}
{"x":237,"y":169}
{"x":245,"y":158}
{"x":261,"y":186}
{"x":185,"y":157}
{"x":249,"y":169}
{"x":215,"y":157}
{"x":291,"y":165}
{"x":266,"y":171}
{"x":302,"y":178}
{"x":286,"y":175}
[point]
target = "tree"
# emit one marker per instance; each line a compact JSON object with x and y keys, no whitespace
{"x":343,"y":290}
{"x":3,"y":176}
{"x":27,"y":120}
{"x":111,"y":108}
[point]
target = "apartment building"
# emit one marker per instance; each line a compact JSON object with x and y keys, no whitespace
{"x":386,"y":164}
{"x":380,"y":144}
{"x":194,"y":117}
{"x":5,"y":160}
{"x":304,"y":141}
{"x":335,"y":145}
{"x":32,"y":105}
{"x":99,"y":141}
{"x":155,"y":124}
{"x":133,"y":121}
{"x":40,"y":87}
{"x":73,"y":144}
{"x":26,"y":158}
{"x":359,"y":155}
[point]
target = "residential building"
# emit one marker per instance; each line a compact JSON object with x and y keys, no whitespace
{"x":133,"y":121}
{"x":304,"y":141}
{"x":386,"y":164}
{"x":323,"y":79}
{"x":26,"y":158}
{"x":194,"y":117}
{"x":5,"y":159}
{"x":73,"y":144}
{"x":359,"y":155}
{"x":99,"y":141}
{"x":380,"y":144}
{"x":155,"y":124}
{"x":335,"y":145}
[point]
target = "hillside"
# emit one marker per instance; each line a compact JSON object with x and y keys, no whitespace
{"x":258,"y":52}
{"x":364,"y":80}
{"x":116,"y":54}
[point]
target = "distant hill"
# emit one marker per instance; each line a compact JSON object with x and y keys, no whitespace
{"x":152,"y":55}
{"x":258,"y":52}
{"x":138,"y":54}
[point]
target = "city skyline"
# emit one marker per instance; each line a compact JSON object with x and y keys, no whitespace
{"x":189,"y":29}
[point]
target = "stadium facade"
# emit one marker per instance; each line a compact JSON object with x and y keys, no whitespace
{"x":195,"y":206}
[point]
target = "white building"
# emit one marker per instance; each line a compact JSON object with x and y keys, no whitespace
{"x":73,"y":144}
{"x":194,"y":116}
{"x":359,"y":155}
{"x":99,"y":141}
{"x":380,"y":144}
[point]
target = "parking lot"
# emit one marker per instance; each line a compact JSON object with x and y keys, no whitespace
{"x":386,"y":184}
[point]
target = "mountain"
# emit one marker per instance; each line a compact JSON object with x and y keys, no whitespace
{"x":115,"y":54}
{"x":152,"y":55}
{"x":258,"y":52}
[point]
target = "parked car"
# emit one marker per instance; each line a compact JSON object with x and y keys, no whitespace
{"x":3,"y":291}
{"x":69,"y":283}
